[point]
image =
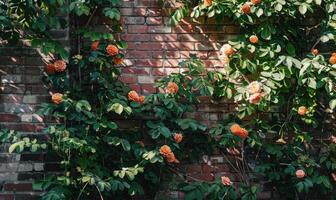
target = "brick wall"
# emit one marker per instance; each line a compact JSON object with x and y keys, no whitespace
{"x":155,"y":48}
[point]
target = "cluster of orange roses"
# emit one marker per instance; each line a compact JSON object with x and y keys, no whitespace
{"x":332,"y":59}
{"x":255,"y":91}
{"x":167,"y":153}
{"x":57,"y":66}
{"x":134,"y":96}
{"x":111,"y":50}
{"x":239,"y":131}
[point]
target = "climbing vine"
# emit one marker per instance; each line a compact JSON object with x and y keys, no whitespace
{"x":279,"y":73}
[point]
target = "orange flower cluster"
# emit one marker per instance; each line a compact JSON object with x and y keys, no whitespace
{"x":254,"y":88}
{"x":57,"y":98}
{"x":227,"y":50}
{"x":239,"y":131}
{"x":134,"y":96}
{"x":332,"y":59}
{"x":226,"y":181}
{"x":207,"y":3}
{"x":254,"y":39}
{"x":112,"y":50}
{"x":94,"y":46}
{"x":178,"y":137}
{"x":300,"y":174}
{"x":167,"y":153}
{"x":57,"y":66}
{"x":302,"y":110}
{"x":172,"y":88}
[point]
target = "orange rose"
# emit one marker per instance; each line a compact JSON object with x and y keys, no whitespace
{"x":332,"y":59}
{"x":60,"y":65}
{"x":226,"y":181}
{"x":225,"y":59}
{"x":94,"y":46}
{"x":227,"y":50}
{"x":117,"y":60}
{"x":50,"y":69}
{"x":255,"y":98}
{"x":172,"y":88}
{"x":255,"y":2}
{"x":246,"y":8}
{"x":112,"y":50}
{"x":302,"y":110}
{"x":178,"y":137}
{"x":165,"y":150}
{"x":238,"y":131}
{"x":141,"y":99}
{"x":57,"y":98}
{"x":254,"y":87}
{"x":207,"y":3}
{"x":314,"y":52}
{"x":133,"y":96}
{"x":333,"y":139}
{"x":333,"y":175}
{"x":300,"y":173}
{"x":254,"y":39}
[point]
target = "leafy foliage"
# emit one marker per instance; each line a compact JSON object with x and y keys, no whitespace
{"x":101,"y":157}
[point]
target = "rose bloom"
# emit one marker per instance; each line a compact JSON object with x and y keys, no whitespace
{"x":246,"y":8}
{"x":238,"y":131}
{"x":50,"y":69}
{"x":172,"y":88}
{"x":314,"y":52}
{"x":207,"y":3}
{"x":255,"y":2}
{"x":60,"y":65}
{"x":225,"y":59}
{"x":165,"y":150}
{"x":300,"y":173}
{"x":112,"y":50}
{"x":171,"y":158}
{"x":333,"y":139}
{"x":254,"y":87}
{"x":302,"y":110}
{"x":178,"y":137}
{"x":227,"y":50}
{"x":226,"y":181}
{"x":57,"y":98}
{"x":254,"y":39}
{"x":332,"y":60}
{"x":141,"y":99}
{"x":117,"y":60}
{"x":94,"y":46}
{"x":255,"y":98}
{"x":133,"y":96}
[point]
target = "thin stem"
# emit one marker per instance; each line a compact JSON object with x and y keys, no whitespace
{"x":82,"y":190}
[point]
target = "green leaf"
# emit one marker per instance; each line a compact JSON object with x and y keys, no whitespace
{"x":126,"y":145}
{"x":332,"y":104}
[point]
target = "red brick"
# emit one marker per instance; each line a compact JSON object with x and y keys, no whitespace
{"x":135,"y":87}
{"x":164,"y":37}
{"x":136,"y":37}
{"x":138,"y":54}
{"x":133,"y":70}
{"x":18,"y":187}
{"x":149,"y":62}
{"x":9,"y":118}
{"x":148,"y":88}
{"x":154,"y":20}
{"x":154,"y":11}
{"x":6,"y":197}
{"x":128,"y":79}
{"x":180,"y":46}
{"x":148,"y":46}
{"x":159,"y":29}
{"x":137,"y":29}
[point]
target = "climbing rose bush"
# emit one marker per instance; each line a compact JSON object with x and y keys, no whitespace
{"x":278,"y":72}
